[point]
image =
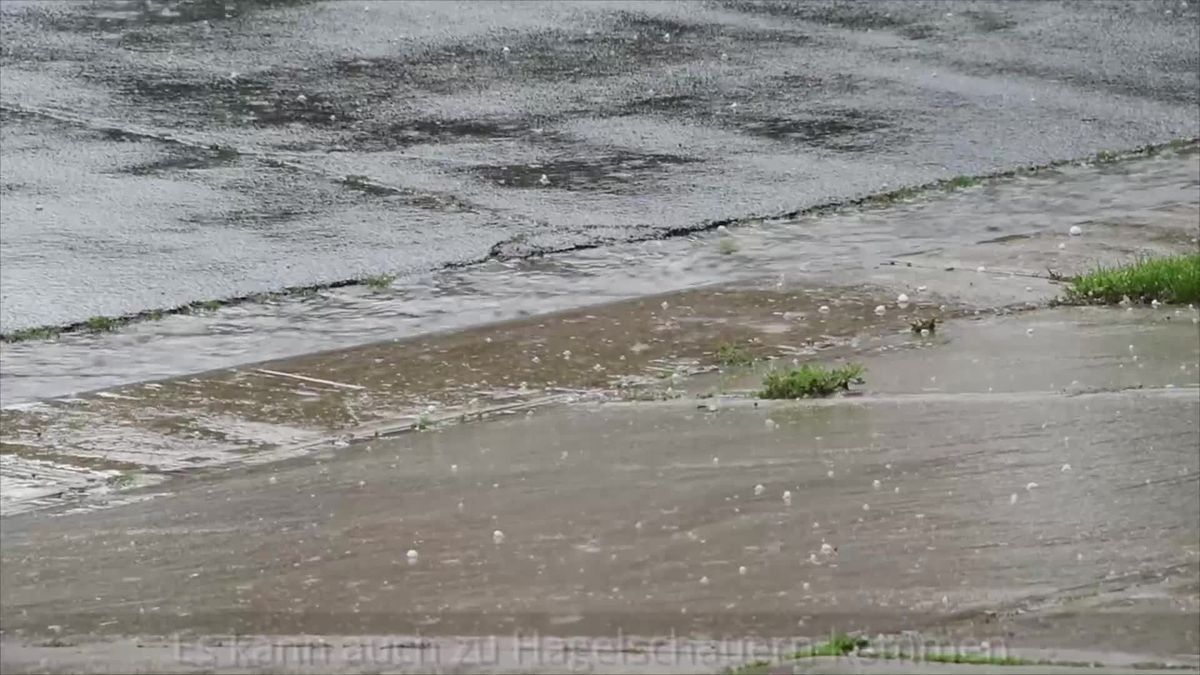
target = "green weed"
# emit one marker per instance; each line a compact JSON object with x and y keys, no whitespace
{"x":809,"y":381}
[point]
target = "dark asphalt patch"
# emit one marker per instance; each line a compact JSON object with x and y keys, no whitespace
{"x":612,"y":172}
{"x":843,"y":130}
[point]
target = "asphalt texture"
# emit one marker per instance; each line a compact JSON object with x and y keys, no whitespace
{"x":157,"y":153}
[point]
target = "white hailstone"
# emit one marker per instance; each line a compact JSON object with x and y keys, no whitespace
{"x":544,"y":180}
{"x":922,"y":289}
{"x":1030,"y":485}
{"x":301,"y":98}
{"x":506,"y":49}
{"x":880,"y":310}
{"x":566,"y":354}
{"x":1075,"y":231}
{"x":637,"y":525}
{"x":742,"y":570}
{"x":759,"y":490}
{"x":272,"y":480}
{"x":38,"y":207}
{"x":902,"y":299}
{"x":1012,"y":499}
{"x":1155,"y":303}
{"x":703,"y":581}
{"x":721,"y":229}
{"x":1065,"y":468}
{"x":829,"y":473}
{"x":981,"y":268}
{"x":716,"y":461}
{"x":897,"y":489}
{"x":498,"y":537}
{"x":806,"y":585}
{"x":812,"y":558}
{"x":536,"y":359}
{"x":1029,"y":331}
{"x":453,"y":468}
{"x":824,"y":309}
{"x":826,"y":549}
{"x":666,"y":37}
{"x":412,"y":555}
{"x":924,"y":332}
{"x":876,"y":484}
{"x":787,"y":497}
{"x":461,"y":507}
{"x":866,"y":507}
{"x":770,"y":423}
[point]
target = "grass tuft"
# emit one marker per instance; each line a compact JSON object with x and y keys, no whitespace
{"x":839,"y":645}
{"x":101,"y":324}
{"x":809,"y":381}
{"x":36,"y":333}
{"x":977,"y":659}
{"x":1174,"y":279}
{"x":962,"y":182}
{"x":380,"y":282}
{"x":729,"y":354}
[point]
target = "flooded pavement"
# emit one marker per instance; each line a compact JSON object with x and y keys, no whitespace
{"x":1023,"y":481}
{"x":159,"y":153}
{"x":1010,"y":225}
{"x":1030,"y":514}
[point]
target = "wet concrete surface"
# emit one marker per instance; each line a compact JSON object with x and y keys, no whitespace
{"x":1017,"y":228}
{"x":158,"y":153}
{"x":1014,"y":515}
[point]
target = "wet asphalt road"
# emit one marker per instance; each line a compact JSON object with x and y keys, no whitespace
{"x":156,"y":153}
